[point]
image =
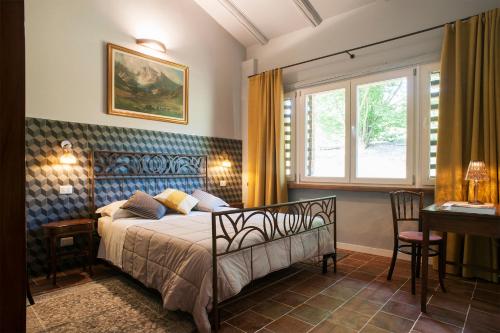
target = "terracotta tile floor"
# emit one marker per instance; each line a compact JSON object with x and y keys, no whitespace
{"x":358,"y":298}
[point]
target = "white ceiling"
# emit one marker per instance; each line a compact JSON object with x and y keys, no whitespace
{"x":272,"y":18}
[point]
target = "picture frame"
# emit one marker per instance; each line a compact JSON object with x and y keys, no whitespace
{"x":146,"y":87}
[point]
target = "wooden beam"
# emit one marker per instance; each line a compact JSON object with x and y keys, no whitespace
{"x":309,"y":12}
{"x":244,"y":21}
{"x":12,"y":179}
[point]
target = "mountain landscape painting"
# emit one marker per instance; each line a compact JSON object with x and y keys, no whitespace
{"x":142,"y":86}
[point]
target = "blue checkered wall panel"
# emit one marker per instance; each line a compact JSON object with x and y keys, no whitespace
{"x":44,"y":175}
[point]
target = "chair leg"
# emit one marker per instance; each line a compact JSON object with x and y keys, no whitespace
{"x":413,"y":267}
{"x":419,"y":261}
{"x":393,"y":262}
{"x":442,"y":265}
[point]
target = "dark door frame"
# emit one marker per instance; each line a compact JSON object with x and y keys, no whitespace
{"x":12,"y":168}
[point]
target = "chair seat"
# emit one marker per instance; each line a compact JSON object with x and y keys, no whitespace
{"x":417,"y":237}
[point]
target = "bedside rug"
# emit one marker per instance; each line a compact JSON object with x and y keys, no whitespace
{"x":115,"y":304}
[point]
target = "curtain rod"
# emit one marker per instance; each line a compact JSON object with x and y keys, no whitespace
{"x":352,"y":56}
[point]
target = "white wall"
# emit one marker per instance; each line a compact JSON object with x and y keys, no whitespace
{"x":66,"y":60}
{"x":378,"y":21}
{"x":364,"y":218}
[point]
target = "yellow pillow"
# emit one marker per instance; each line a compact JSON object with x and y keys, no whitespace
{"x":177,"y":200}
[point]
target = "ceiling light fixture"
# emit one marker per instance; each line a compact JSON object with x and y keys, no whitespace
{"x":152,"y":44}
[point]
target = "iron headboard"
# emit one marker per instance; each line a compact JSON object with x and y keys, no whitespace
{"x":126,"y":172}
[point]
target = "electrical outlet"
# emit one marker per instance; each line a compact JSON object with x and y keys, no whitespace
{"x":223,"y":183}
{"x":66,"y":241}
{"x":65,"y":189}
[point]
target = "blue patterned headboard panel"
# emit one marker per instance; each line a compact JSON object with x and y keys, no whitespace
{"x":117,"y":175}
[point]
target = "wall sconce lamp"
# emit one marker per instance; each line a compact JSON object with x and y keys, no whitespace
{"x":67,"y":157}
{"x":477,"y":172}
{"x":152,"y":44}
{"x":226,"y":163}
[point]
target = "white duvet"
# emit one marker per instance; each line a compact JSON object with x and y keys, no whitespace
{"x":234,"y":270}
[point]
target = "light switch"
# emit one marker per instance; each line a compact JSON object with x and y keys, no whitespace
{"x":65,"y":189}
{"x":223,"y":183}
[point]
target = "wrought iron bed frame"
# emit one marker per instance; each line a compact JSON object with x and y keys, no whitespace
{"x":280,"y":221}
{"x":127,"y":166}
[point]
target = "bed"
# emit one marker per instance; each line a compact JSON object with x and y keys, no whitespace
{"x":180,"y":255}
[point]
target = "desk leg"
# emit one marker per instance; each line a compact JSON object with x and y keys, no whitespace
{"x":425,"y":266}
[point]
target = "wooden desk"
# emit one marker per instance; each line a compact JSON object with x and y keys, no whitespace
{"x":433,"y":218}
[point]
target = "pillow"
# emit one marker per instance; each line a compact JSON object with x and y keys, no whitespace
{"x":177,"y":200}
{"x":115,"y":211}
{"x":144,"y":205}
{"x":208,"y":202}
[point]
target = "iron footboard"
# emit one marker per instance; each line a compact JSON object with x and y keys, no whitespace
{"x":244,"y":229}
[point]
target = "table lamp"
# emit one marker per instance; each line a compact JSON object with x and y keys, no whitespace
{"x":476,"y":172}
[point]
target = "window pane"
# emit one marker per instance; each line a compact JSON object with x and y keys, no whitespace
{"x":325,"y":133}
{"x":434,"y":113}
{"x":287,"y":120}
{"x":381,"y":129}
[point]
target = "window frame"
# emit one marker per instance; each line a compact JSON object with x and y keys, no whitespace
{"x":425,"y":112}
{"x":410,"y":153}
{"x":302,"y":130}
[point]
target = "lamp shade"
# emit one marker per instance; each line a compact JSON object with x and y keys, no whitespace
{"x":477,"y":171}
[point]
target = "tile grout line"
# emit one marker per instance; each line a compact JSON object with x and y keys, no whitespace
{"x":383,"y":305}
{"x":350,"y":298}
{"x":311,"y":297}
{"x":293,"y":307}
{"x":470,"y":305}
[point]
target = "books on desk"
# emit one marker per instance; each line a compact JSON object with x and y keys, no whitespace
{"x":465,"y":207}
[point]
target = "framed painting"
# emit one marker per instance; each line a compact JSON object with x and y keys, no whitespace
{"x":142,"y":86}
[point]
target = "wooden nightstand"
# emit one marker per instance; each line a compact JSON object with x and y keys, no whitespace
{"x":54,"y":231}
{"x":236,"y":204}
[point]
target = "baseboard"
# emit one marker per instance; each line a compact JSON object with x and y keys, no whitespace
{"x":371,"y":250}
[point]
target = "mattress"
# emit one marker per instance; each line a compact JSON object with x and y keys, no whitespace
{"x":174,"y":256}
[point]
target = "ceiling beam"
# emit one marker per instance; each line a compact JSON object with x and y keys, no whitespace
{"x":244,"y":21}
{"x":309,"y":12}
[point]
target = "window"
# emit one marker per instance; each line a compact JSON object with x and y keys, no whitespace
{"x":429,"y":102}
{"x":381,"y":116}
{"x":288,"y":122}
{"x":326,"y":143}
{"x":358,"y":131}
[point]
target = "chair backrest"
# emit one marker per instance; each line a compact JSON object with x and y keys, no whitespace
{"x":406,"y":206}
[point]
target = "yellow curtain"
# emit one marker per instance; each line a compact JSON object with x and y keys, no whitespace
{"x":469,"y":126}
{"x":266,"y":163}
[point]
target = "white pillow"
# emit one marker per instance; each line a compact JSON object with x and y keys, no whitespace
{"x":114,"y":210}
{"x":208,"y":202}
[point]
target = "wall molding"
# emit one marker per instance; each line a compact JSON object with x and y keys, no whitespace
{"x":371,"y":250}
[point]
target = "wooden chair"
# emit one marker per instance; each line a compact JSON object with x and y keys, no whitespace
{"x":406,"y":206}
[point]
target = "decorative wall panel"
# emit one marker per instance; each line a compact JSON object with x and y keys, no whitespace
{"x":44,"y":175}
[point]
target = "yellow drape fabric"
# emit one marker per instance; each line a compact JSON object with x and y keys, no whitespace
{"x":266,"y":163}
{"x":469,"y":125}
